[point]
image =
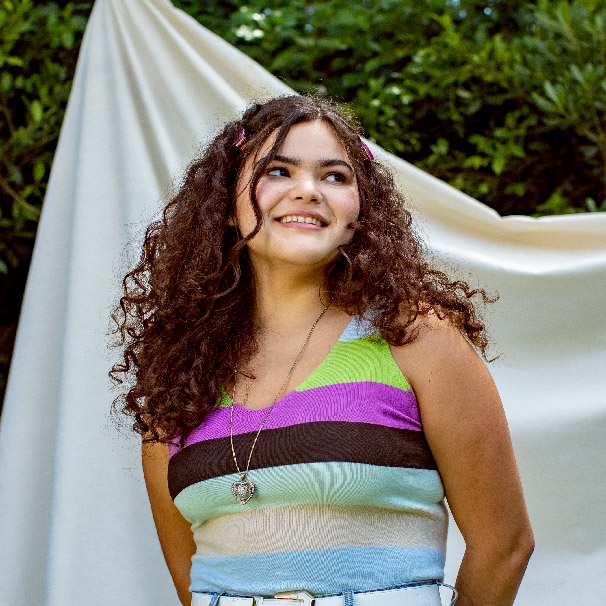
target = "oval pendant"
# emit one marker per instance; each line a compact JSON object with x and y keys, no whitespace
{"x":243,"y":490}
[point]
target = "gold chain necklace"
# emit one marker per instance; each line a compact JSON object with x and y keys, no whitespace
{"x":244,"y":489}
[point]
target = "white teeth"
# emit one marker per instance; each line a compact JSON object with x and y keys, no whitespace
{"x":299,"y":219}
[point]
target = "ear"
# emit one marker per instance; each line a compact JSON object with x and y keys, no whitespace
{"x":232,"y":221}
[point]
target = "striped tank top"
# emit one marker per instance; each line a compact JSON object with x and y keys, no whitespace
{"x":347,"y":494}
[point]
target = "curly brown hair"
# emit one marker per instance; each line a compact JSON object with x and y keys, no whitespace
{"x":185,"y":320}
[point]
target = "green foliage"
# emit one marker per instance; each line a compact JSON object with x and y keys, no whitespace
{"x":504,"y":100}
{"x":38,"y":49}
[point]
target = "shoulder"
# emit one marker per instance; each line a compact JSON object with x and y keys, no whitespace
{"x":440,"y":361}
{"x":435,"y":341}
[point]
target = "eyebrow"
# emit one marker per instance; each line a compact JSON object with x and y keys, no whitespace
{"x":322,"y":163}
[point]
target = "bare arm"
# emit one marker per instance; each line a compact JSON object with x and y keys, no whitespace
{"x":467,"y":432}
{"x":173,"y":530}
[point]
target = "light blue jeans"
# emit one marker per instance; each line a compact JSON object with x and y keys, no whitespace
{"x":424,"y":593}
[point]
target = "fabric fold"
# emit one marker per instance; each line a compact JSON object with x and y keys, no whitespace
{"x":151,"y":87}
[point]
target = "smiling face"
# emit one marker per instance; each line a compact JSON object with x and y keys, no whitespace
{"x":307,"y":196}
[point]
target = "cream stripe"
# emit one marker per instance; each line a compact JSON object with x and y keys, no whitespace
{"x":309,"y":527}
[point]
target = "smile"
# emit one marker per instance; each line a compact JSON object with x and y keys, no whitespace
{"x":301,"y":219}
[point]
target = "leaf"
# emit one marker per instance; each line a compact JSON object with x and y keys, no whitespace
{"x":36,"y":110}
{"x":14,"y":61}
{"x":475,"y":162}
{"x":577,"y":74}
{"x":483,"y":188}
{"x":473,"y":107}
{"x":498,"y":164}
{"x":543,"y":103}
{"x":6,"y":82}
{"x":556,"y":204}
{"x":517,"y":189}
{"x":67,"y":39}
{"x":441,"y":147}
{"x":592,"y":206}
{"x":563,"y":12}
{"x":39,"y":171}
{"x":551,"y":92}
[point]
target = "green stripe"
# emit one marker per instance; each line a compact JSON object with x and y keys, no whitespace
{"x":356,"y":361}
{"x":367,"y":359}
{"x":345,"y":484}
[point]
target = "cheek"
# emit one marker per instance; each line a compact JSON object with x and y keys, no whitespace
{"x":352,"y":207}
{"x":267,"y":193}
{"x":352,"y":215}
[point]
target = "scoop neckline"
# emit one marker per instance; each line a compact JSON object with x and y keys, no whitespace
{"x":228,"y":401}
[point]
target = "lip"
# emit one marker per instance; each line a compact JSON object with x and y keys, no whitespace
{"x":303,"y":213}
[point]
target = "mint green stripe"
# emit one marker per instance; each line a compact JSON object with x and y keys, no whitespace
{"x":333,"y":483}
{"x":355,"y":361}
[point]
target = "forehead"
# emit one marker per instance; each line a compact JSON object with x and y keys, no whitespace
{"x":309,"y":140}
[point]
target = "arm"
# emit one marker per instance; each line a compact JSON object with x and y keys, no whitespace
{"x":173,"y":530}
{"x":467,"y":432}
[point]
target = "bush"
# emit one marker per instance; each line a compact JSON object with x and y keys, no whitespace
{"x":504,"y":100}
{"x":38,"y":51}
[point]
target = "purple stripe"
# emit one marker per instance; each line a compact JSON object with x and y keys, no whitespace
{"x":361,"y":402}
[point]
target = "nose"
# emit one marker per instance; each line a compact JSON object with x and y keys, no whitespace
{"x":305,"y":189}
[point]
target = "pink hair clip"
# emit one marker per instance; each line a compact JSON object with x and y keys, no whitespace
{"x":366,"y":151}
{"x":240,"y":140}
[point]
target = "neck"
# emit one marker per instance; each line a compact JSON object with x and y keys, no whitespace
{"x":285,"y":299}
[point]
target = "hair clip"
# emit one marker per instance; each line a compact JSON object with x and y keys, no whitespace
{"x":366,"y":151}
{"x":240,"y":140}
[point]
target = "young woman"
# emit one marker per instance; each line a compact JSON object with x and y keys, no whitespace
{"x":306,"y":384}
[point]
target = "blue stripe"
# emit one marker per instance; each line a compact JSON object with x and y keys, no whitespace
{"x":356,"y":329}
{"x":319,"y":571}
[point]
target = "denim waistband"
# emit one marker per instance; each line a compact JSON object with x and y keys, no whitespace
{"x":422,"y":593}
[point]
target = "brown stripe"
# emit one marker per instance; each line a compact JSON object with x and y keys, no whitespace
{"x":317,"y":442}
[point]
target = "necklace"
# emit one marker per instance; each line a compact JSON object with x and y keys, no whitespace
{"x":244,"y":489}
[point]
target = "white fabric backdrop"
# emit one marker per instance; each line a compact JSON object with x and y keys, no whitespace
{"x":151,"y":86}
